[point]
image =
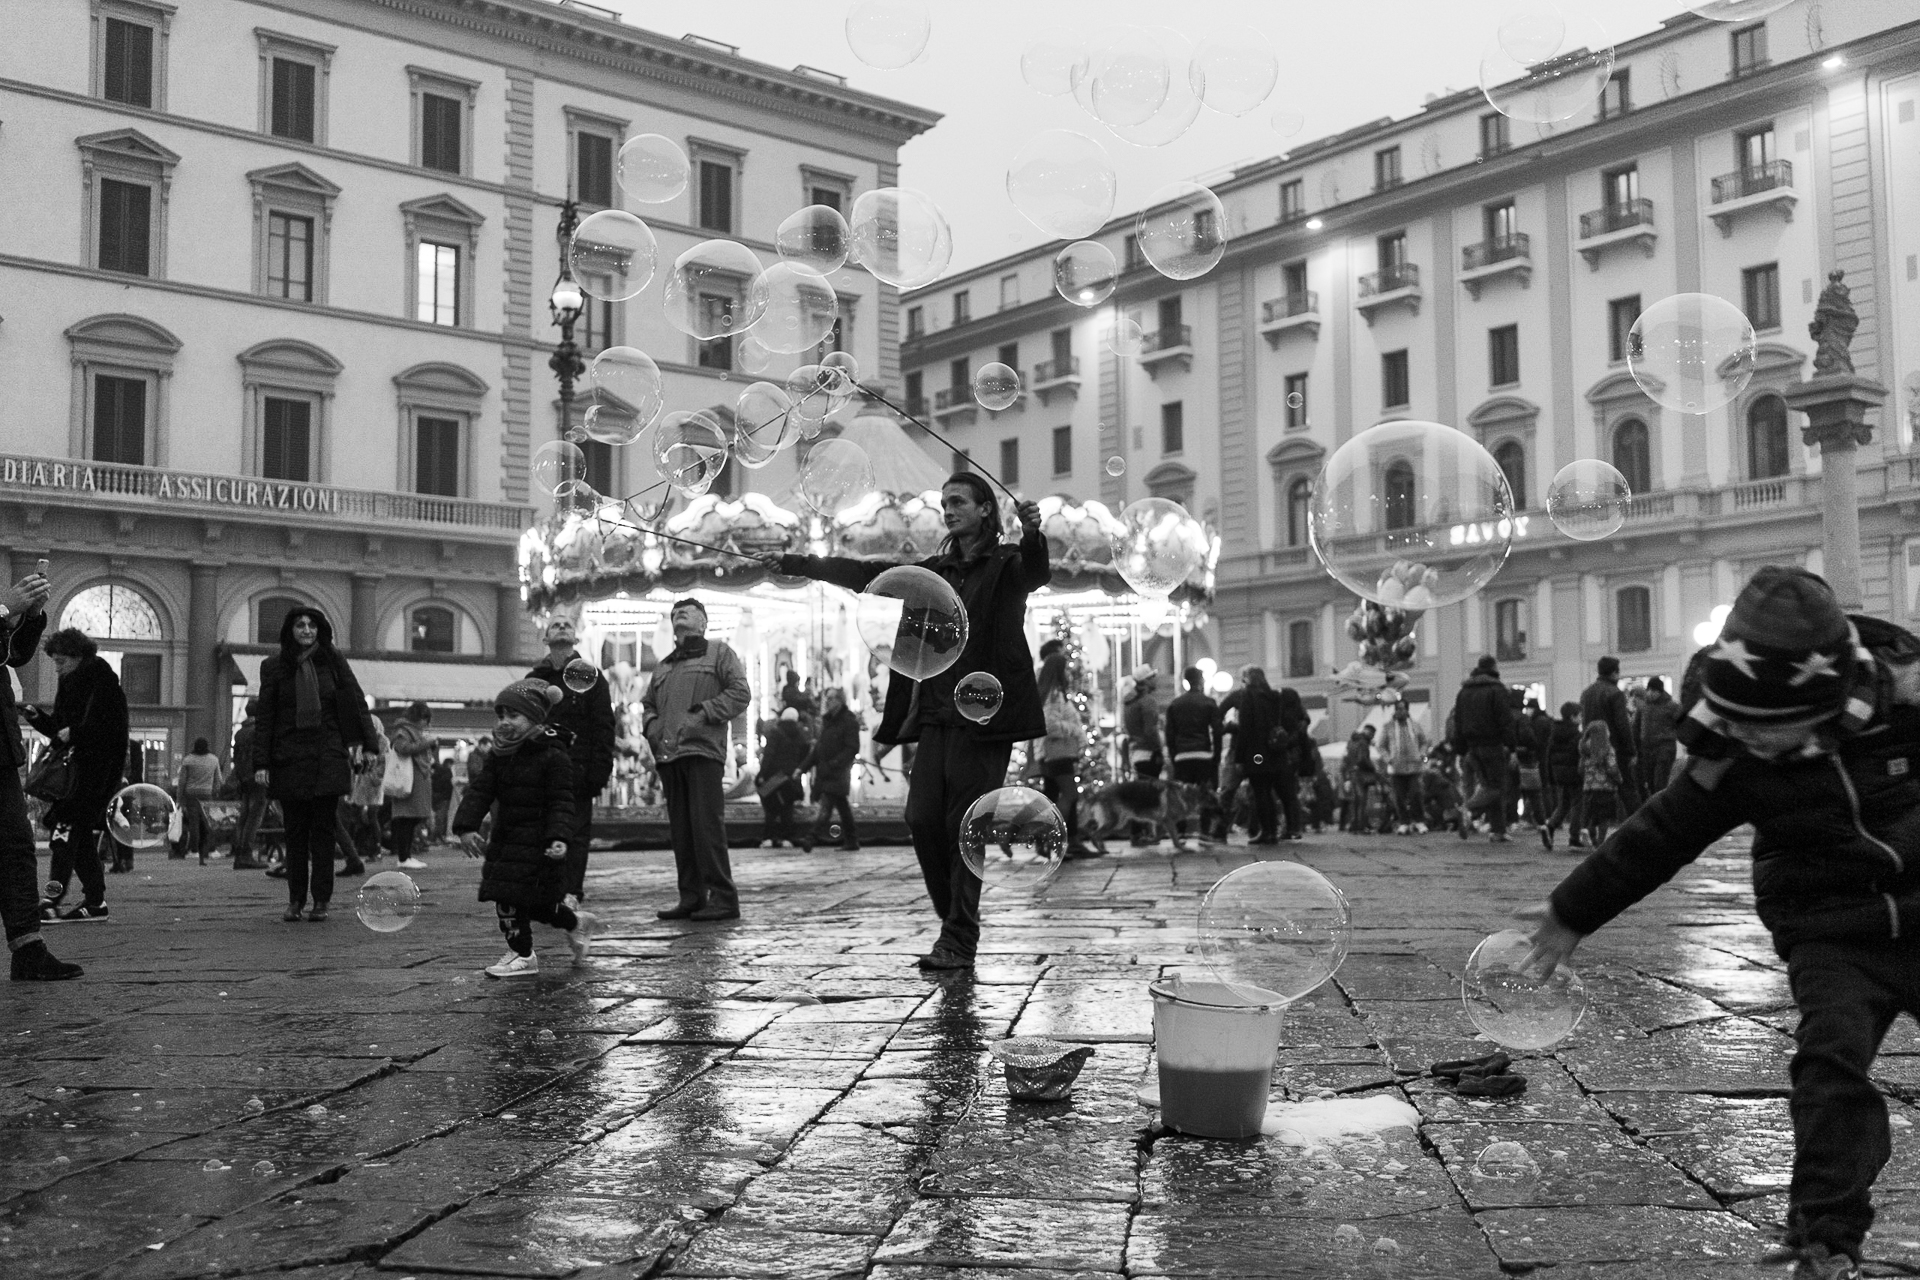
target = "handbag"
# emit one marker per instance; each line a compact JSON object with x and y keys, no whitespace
{"x":54,"y":778}
{"x":767,"y":786}
{"x":396,"y":778}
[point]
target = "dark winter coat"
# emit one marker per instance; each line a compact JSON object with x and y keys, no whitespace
{"x":994,"y":591}
{"x":243,"y":740}
{"x":442,"y":784}
{"x":92,"y":706}
{"x":1602,"y":700}
{"x":833,"y":754}
{"x":1260,"y":743}
{"x":1192,"y":720}
{"x":1563,"y":754}
{"x":21,"y":636}
{"x":786,"y":748}
{"x":531,"y":794}
{"x":588,"y":718}
{"x":1538,"y":726}
{"x":1483,"y":713}
{"x":306,"y":763}
{"x":1659,"y":717}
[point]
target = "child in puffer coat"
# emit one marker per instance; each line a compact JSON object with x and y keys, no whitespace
{"x":1599,"y":780}
{"x":527,"y":783}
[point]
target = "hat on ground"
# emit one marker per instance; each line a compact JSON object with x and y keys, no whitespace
{"x":1143,"y":673}
{"x":531,"y":698}
{"x":1784,"y":652}
{"x":791,"y":713}
{"x":561,"y":629}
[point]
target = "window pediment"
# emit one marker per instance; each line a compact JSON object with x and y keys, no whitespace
{"x":443,"y":208}
{"x":289,"y":355}
{"x":123,"y":335}
{"x":1290,"y":454}
{"x":293,"y":177}
{"x":1503,"y":412}
{"x":127,"y":145}
{"x":1770,"y":358}
{"x":1620,"y":386}
{"x":441,"y":379}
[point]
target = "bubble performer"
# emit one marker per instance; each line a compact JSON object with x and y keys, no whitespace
{"x":957,"y":761}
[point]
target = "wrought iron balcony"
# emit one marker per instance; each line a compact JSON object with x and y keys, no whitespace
{"x":1056,"y":370}
{"x":917,"y":406}
{"x":1166,"y":338}
{"x":1616,"y":217}
{"x":1302,"y":303}
{"x":1753,"y":180}
{"x":1515,"y":244}
{"x":1405,"y":275}
{"x":949,"y":399}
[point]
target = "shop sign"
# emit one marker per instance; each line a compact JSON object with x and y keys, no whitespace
{"x":184,"y":488}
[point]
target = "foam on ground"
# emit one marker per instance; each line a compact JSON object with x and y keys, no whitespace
{"x":1328,"y":1120}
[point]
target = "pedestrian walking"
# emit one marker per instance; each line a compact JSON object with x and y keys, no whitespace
{"x":585,"y":720}
{"x":1485,"y":734}
{"x":1192,"y":732}
{"x":313,"y":727}
{"x":782,"y":755}
{"x":413,"y":742}
{"x":1060,"y":750}
{"x":1403,"y":749}
{"x":442,"y":776}
{"x":527,"y":786}
{"x":199,"y":781}
{"x":1658,"y":737}
{"x":22,"y":620}
{"x":89,"y":719}
{"x":1140,"y":721}
{"x":1359,"y":777}
{"x":1600,"y":777}
{"x":253,"y":796}
{"x":1564,"y":778}
{"x":831,"y":758}
{"x":1261,"y":750}
{"x":1603,"y":701}
{"x":957,"y":761}
{"x":695,"y":693}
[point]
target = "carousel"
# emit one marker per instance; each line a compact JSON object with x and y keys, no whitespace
{"x":617,"y":575}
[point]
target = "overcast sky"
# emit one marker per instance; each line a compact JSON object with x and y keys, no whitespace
{"x":1342,"y":63}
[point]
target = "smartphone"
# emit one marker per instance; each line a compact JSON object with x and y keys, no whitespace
{"x":41,"y":566}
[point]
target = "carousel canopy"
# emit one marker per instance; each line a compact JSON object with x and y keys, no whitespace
{"x":899,"y":465}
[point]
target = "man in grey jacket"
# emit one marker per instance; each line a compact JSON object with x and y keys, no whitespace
{"x":695,"y":692}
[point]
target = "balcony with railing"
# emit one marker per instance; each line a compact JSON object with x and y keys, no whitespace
{"x":1399,"y":283}
{"x":1507,"y":255}
{"x":1628,"y":222}
{"x":1755,"y":186}
{"x":1051,"y":377}
{"x":1169,"y":344}
{"x":1293,"y":311}
{"x":917,"y":406}
{"x":950,"y":403}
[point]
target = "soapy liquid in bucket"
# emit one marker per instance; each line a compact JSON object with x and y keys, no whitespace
{"x":1214,"y":1104}
{"x":1214,"y":1045}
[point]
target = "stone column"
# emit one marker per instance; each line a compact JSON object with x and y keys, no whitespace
{"x":207,"y":700}
{"x":363,"y":636}
{"x":1836,"y":408}
{"x":508,"y":615}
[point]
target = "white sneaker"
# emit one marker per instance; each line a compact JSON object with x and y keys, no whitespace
{"x":411,"y":864}
{"x":514,"y":966}
{"x":580,"y":937}
{"x":571,"y":902}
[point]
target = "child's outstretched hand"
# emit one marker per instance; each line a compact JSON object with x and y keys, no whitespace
{"x":557,"y":850}
{"x":1552,"y":941}
{"x":472,"y":844}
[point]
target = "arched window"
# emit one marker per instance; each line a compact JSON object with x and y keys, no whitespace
{"x":1633,"y":620}
{"x":431,"y":629}
{"x":1299,"y":500}
{"x":1513,"y":464}
{"x":113,"y":612}
{"x":1767,"y":439}
{"x":1400,"y":499}
{"x":270,"y":614}
{"x":1633,"y":455}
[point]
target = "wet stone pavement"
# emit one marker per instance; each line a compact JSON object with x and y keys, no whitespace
{"x":227,"y":1095}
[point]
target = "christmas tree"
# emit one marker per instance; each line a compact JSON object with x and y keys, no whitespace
{"x":1095,"y":767}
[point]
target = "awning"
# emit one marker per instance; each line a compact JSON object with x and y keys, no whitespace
{"x":399,"y":681}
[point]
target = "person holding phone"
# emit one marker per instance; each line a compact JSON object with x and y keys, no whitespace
{"x":23,"y":616}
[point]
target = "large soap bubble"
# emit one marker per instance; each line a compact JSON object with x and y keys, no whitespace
{"x":815,"y":237}
{"x":846,"y":363}
{"x":1412,"y":514}
{"x":913,"y":621}
{"x":709,"y":292}
{"x":629,"y":377}
{"x":138,"y":816}
{"x":1062,"y":182}
{"x":900,"y":236}
{"x":386,"y":902}
{"x":1692,"y":352}
{"x":653,"y":169}
{"x":691,"y":450}
{"x":751,"y":356}
{"x":1126,"y":337}
{"x":1512,"y":1006}
{"x":978,"y":695}
{"x":888,"y":34}
{"x":996,"y":386}
{"x":612,"y":255}
{"x":1013,"y":839}
{"x":1158,"y":547}
{"x":1279,"y":926}
{"x":763,"y":425}
{"x":1588,"y":500}
{"x":796,"y":306}
{"x":1736,"y":10}
{"x":1182,"y":231}
{"x":1084,"y":273}
{"x":1238,"y":69}
{"x":1186,"y":91}
{"x":558,"y":467}
{"x":1130,"y":78}
{"x":1548,"y":89}
{"x":836,"y":474}
{"x":1054,"y":62}
{"x":610,"y":424}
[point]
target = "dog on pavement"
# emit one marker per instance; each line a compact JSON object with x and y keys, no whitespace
{"x":1177,"y":810}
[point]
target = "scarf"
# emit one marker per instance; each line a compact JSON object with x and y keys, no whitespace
{"x":306,"y":691}
{"x":691,"y":647}
{"x":506,"y":746}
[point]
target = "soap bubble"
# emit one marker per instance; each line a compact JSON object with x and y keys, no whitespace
{"x":811,"y":389}
{"x":1553,"y":89}
{"x":629,"y":377}
{"x":978,"y":696}
{"x":1295,"y":400}
{"x":612,"y":255}
{"x":1084,"y":273}
{"x":1506,"y":1162}
{"x":578,"y":435}
{"x":1279,"y":926}
{"x":888,"y":34}
{"x":691,"y":450}
{"x":1533,"y":34}
{"x":214,"y":1166}
{"x":762,"y":424}
{"x":913,"y":621}
{"x":653,"y":169}
{"x":1062,"y":182}
{"x":1126,"y":338}
{"x":1054,"y":62}
{"x":1347,"y":1238}
{"x":1129,"y":78}
{"x":1412,"y":514}
{"x":845,"y":362}
{"x":836,"y":474}
{"x":1386,"y":1247}
{"x":138,"y":816}
{"x":264,"y":1168}
{"x":1692,"y":352}
{"x":816,"y":237}
{"x":1013,"y":839}
{"x":609,"y":424}
{"x":557,"y":468}
{"x":580,"y":675}
{"x":253,"y":1106}
{"x":708,"y":293}
{"x":1159,"y":547}
{"x":386,"y":902}
{"x":996,"y":386}
{"x":1287,"y":122}
{"x":1588,"y":500}
{"x":1182,"y":231}
{"x":1116,"y":465}
{"x":316,"y":1112}
{"x":900,"y":236}
{"x":751,"y":356}
{"x":1180,"y":106}
{"x":797,"y":308}
{"x":1510,"y":1005}
{"x":1736,"y":10}
{"x":1239,"y":69}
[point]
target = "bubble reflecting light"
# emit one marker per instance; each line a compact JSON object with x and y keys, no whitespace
{"x":815,"y":237}
{"x":836,"y":475}
{"x":1084,"y":273}
{"x":1279,"y":926}
{"x":1736,"y":10}
{"x":1063,"y":183}
{"x":1692,"y":352}
{"x":691,"y":450}
{"x":1129,"y":79}
{"x":996,"y":386}
{"x":978,"y":696}
{"x":653,"y":169}
{"x":1158,"y":547}
{"x":912,"y":620}
{"x":1237,"y":70}
{"x":557,"y":468}
{"x":628,"y":378}
{"x":1511,"y":1004}
{"x":1013,"y":839}
{"x":1126,"y":337}
{"x":795,"y":306}
{"x":1588,"y":500}
{"x":709,"y":293}
{"x":138,"y":816}
{"x":1182,"y":230}
{"x":1556,"y":88}
{"x":387,"y":902}
{"x":612,"y":255}
{"x":1054,"y":62}
{"x":900,"y":236}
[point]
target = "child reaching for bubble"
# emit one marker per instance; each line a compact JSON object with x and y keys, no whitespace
{"x":527,"y":784}
{"x":1808,"y":727}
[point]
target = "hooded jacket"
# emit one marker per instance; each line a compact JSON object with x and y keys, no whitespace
{"x":586,"y":720}
{"x":90,"y":704}
{"x":1140,"y":720}
{"x":1659,"y":718}
{"x":530,"y":792}
{"x":1483,"y":713}
{"x":305,"y":763}
{"x":1563,"y":754}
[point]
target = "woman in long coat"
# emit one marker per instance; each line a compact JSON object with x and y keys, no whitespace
{"x":313,"y":725}
{"x":90,"y":714}
{"x":413,"y":741}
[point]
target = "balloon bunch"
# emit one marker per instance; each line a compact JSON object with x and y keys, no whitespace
{"x":1387,"y":649}
{"x":1407,"y":585}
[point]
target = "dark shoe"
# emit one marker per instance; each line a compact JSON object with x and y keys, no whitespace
{"x":277,"y":871}
{"x":806,"y":846}
{"x":291,"y":915}
{"x":354,"y":868}
{"x":1498,"y":837}
{"x":849,"y":848}
{"x":705,"y":914}
{"x":317,"y":915}
{"x":1296,"y":835}
{"x":943,"y":958}
{"x":118,"y":870}
{"x":680,"y":912}
{"x":34,"y":963}
{"x":1546,"y":838}
{"x":98,"y":911}
{"x":1812,"y":1262}
{"x":248,"y":864}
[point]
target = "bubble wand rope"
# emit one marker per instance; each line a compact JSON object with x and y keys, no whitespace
{"x":942,"y":439}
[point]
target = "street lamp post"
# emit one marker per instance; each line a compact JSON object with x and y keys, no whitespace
{"x":566,"y":304}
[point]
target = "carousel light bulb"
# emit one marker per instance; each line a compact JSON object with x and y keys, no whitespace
{"x":1220,"y":682}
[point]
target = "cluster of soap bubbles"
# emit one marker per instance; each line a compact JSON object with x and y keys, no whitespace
{"x":1146,"y":85}
{"x":1013,"y":839}
{"x":1279,"y":927}
{"x":1510,"y":1003}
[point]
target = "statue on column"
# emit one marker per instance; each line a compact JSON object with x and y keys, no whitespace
{"x":1834,"y":321}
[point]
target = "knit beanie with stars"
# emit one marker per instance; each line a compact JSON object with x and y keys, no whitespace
{"x":1784,"y":652}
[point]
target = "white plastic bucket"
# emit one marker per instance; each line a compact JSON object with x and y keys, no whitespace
{"x":1215,"y":1047}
